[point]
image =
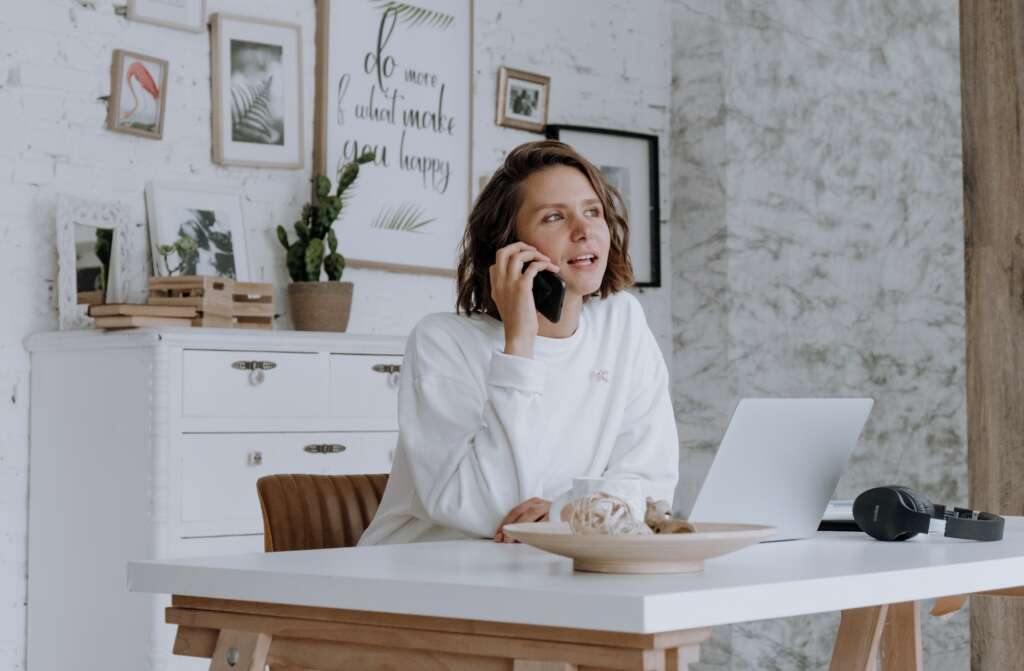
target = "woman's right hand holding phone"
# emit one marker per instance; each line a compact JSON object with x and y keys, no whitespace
{"x":512,"y":292}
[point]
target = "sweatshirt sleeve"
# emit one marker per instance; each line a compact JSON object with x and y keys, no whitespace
{"x":647,"y":446}
{"x":473,"y":453}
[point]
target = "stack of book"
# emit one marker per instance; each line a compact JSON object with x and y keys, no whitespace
{"x":130,"y":315}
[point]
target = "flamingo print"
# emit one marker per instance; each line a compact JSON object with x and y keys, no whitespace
{"x":147,"y":116}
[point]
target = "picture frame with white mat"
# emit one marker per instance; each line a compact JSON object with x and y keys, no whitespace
{"x":181,"y":14}
{"x":211,"y":215}
{"x":257,"y":100}
{"x":80,"y":222}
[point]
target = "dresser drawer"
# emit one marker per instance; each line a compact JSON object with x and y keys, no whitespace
{"x":364,"y":387}
{"x":220,"y":383}
{"x":219,"y":472}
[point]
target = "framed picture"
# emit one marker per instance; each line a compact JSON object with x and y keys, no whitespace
{"x":181,"y":14}
{"x":629,"y":161}
{"x":395,"y":78}
{"x":522,"y":99}
{"x":207,"y":219}
{"x":94,"y":252}
{"x":138,"y":94}
{"x":257,"y":92}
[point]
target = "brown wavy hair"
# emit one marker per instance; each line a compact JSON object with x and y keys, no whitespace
{"x":492,"y":223}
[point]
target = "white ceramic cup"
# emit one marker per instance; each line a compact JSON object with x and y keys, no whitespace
{"x":629,"y":490}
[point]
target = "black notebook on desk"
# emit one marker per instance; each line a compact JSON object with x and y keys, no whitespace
{"x":838,"y":517}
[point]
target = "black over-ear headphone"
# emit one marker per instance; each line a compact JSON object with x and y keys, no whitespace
{"x":894,"y":513}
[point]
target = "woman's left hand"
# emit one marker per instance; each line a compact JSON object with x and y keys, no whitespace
{"x":530,"y":510}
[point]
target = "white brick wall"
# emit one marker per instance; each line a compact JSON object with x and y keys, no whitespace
{"x":609,"y":64}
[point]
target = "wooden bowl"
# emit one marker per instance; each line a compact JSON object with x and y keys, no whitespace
{"x":659,"y":553}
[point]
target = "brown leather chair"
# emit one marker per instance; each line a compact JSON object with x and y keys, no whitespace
{"x":310,"y":512}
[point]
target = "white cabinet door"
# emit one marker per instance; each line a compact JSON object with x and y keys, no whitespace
{"x":365,"y":387}
{"x":218,"y":472}
{"x":217,"y":383}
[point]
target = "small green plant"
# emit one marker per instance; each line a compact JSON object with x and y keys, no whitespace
{"x":306,"y":255}
{"x":188,"y":253}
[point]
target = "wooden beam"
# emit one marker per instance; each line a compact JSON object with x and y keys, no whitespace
{"x":860,"y":632}
{"x":668,"y":639}
{"x":283,"y":629}
{"x":945,"y":605}
{"x":240,"y":651}
{"x":992,"y":95}
{"x":901,"y":638}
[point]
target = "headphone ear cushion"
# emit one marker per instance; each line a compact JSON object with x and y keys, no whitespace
{"x":876,"y":512}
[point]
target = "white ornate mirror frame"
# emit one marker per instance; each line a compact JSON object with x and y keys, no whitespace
{"x":74,"y":211}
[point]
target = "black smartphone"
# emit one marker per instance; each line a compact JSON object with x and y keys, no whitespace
{"x":548,"y":293}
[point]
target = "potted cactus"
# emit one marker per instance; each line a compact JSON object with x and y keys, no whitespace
{"x":316,"y":305}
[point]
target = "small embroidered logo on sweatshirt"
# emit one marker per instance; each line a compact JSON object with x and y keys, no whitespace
{"x":600,"y":375}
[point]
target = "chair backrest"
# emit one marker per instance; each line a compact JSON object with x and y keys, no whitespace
{"x":309,"y":512}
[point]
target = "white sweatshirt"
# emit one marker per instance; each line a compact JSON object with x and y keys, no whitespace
{"x":481,"y":431}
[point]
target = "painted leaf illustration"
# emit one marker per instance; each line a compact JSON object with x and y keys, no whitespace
{"x":412,"y":16}
{"x":408,"y":217}
{"x":201,"y":227}
{"x":251,"y":119}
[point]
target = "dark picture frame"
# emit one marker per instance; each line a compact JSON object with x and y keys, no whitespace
{"x":621,"y":151}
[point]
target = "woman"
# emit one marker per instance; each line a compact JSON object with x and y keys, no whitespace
{"x":499,"y":408}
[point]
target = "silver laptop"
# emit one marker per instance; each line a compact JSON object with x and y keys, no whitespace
{"x":780,"y":461}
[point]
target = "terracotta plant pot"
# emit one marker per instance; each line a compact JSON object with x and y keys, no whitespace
{"x":320,"y":306}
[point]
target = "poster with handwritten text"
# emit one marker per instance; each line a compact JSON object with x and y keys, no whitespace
{"x":397,"y":81}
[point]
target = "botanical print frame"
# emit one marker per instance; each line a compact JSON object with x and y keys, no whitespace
{"x":257,"y":92}
{"x":74,"y":212}
{"x":181,"y":14}
{"x":211,"y":216}
{"x":629,"y":161}
{"x":396,"y":78}
{"x":522,"y":99}
{"x":141,"y":110}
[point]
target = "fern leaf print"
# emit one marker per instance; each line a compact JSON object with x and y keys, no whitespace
{"x":257,"y":113}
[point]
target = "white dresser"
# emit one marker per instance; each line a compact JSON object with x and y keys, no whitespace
{"x":148,"y":444}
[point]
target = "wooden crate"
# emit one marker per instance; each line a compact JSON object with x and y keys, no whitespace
{"x":212,"y":297}
{"x":254,"y":305}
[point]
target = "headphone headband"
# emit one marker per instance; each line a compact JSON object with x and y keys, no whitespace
{"x":895,"y":513}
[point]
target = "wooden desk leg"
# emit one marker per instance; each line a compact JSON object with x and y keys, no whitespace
{"x":860,"y":632}
{"x":679,"y":659}
{"x":901,"y":638}
{"x":945,"y":605}
{"x":240,"y":651}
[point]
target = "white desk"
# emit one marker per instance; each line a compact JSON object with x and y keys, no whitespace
{"x":517,"y":595}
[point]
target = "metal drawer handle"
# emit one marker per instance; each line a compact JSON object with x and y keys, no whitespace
{"x":254,"y":365}
{"x":255,"y":458}
{"x":324,"y":448}
{"x":392,"y":369}
{"x":255,"y":369}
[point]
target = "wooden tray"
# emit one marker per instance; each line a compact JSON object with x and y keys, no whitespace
{"x":668,"y":553}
